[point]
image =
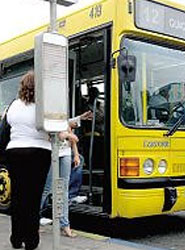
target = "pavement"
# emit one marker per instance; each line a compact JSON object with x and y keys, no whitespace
{"x":83,"y":241}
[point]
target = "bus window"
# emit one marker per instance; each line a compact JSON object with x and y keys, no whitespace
{"x":9,"y":82}
{"x":151,"y":99}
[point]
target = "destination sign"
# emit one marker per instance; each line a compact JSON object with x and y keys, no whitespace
{"x":160,"y":18}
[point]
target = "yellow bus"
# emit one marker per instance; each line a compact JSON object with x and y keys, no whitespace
{"x":131,"y":55}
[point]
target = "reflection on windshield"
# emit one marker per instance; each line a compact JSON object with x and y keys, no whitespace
{"x":157,"y":96}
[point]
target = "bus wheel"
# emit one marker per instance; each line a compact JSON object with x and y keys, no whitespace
{"x":4,"y":190}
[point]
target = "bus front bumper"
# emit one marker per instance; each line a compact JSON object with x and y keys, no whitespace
{"x":145,"y":197}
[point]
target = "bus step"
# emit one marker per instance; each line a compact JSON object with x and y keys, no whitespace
{"x":87,"y":210}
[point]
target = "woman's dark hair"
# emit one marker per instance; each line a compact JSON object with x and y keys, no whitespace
{"x":26,"y":90}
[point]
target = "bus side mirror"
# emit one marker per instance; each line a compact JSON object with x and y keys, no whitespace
{"x":127,"y":67}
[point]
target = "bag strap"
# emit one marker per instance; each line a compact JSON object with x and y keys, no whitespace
{"x":7,"y":108}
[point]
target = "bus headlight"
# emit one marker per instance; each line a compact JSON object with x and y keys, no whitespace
{"x":148,"y":166}
{"x":162,"y":167}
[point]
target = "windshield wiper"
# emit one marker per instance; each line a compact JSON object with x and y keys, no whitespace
{"x":175,"y":126}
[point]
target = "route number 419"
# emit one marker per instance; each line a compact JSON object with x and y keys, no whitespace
{"x":96,"y":11}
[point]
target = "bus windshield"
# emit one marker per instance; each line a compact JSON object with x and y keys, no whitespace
{"x":156,"y":97}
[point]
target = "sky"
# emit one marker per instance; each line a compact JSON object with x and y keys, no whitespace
{"x":19,"y":16}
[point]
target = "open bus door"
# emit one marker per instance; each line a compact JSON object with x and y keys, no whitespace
{"x":90,"y":74}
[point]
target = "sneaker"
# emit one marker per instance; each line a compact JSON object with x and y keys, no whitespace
{"x":79,"y":199}
{"x":45,"y":221}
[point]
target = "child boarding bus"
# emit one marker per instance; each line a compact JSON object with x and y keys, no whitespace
{"x":126,"y":64}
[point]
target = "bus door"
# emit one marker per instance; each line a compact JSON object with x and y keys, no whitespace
{"x":88,"y":92}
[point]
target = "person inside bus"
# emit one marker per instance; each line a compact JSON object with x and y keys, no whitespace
{"x":75,"y":182}
{"x":98,"y":133}
{"x":29,"y":159}
{"x":93,"y":94}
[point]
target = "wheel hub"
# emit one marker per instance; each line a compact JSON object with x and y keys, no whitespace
{"x":4,"y":187}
